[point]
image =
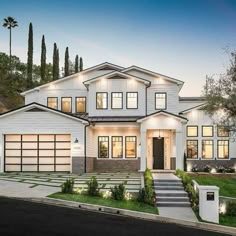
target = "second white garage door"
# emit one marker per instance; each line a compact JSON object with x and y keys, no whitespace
{"x":37,"y":152}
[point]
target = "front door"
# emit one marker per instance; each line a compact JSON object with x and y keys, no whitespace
{"x":158,"y":153}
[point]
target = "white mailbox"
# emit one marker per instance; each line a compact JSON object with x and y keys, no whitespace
{"x":209,"y":203}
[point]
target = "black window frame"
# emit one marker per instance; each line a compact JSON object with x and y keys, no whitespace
{"x":212,"y":127}
{"x":127,"y":101}
{"x":107,"y":147}
{"x":106,"y":101}
{"x":192,"y":140}
{"x":221,"y":136}
{"x":56,"y":100}
{"x":70,"y":104}
{"x":121,"y":101}
{"x":220,"y":158}
{"x":76,"y":104}
{"x":121,"y":147}
{"x":204,"y":158}
{"x":187,"y":131}
{"x":165,"y":101}
{"x":135,"y":146}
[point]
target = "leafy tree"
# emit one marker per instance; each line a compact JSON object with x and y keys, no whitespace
{"x":55,"y":62}
{"x":30,"y":58}
{"x":76,"y":64}
{"x":81,"y":65}
{"x":43,"y":61}
{"x":10,"y":23}
{"x":66,"y":68}
{"x":220,"y":94}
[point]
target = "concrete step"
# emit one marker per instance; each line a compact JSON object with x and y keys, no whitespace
{"x":172,"y":199}
{"x":167,"y":180}
{"x":168,"y":187}
{"x":167,"y":184}
{"x":173,"y":204}
{"x":164,"y":193}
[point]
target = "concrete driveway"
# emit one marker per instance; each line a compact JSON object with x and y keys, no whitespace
{"x":24,"y":190}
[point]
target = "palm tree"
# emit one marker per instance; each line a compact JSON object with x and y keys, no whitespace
{"x":10,"y":23}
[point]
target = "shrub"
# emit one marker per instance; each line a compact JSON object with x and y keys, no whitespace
{"x":207,"y":169}
{"x":118,"y":192}
{"x":179,"y":173}
{"x":186,"y":179}
{"x":230,"y":170}
{"x":68,"y":186}
{"x":92,"y":184}
{"x":231,"y":208}
{"x":195,"y":168}
{"x":220,"y":169}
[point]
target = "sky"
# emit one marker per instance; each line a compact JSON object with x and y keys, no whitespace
{"x":183,"y":39}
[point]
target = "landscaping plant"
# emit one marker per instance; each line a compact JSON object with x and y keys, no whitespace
{"x":93,"y":189}
{"x":118,"y":192}
{"x":68,"y":186}
{"x":231,"y":208}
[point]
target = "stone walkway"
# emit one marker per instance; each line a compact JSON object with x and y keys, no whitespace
{"x":172,"y":200}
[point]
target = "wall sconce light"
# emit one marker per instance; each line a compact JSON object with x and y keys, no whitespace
{"x":76,"y":140}
{"x":159,"y":137}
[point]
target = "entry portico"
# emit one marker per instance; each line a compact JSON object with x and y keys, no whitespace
{"x":162,"y":145}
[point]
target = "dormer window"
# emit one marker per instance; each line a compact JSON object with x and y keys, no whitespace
{"x":116,"y":100}
{"x":66,"y":104}
{"x":132,"y":100}
{"x":160,"y":101}
{"x":102,"y":101}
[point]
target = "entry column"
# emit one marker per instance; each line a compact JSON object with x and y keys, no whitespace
{"x":179,"y":150}
{"x":143,"y":161}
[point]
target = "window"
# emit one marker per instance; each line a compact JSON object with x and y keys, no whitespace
{"x":53,"y":102}
{"x":80,"y":105}
{"x":102,"y":100}
{"x":130,"y":147}
{"x":207,"y":149}
{"x":192,"y":131}
{"x":192,"y":149}
{"x":116,"y":100}
{"x":66,"y":104}
{"x":223,"y":149}
{"x":222,"y":131}
{"x":131,"y":100}
{"x":117,"y":147}
{"x":207,"y":131}
{"x":103,"y":147}
{"x":160,"y":101}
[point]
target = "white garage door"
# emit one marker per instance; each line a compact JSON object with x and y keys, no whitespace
{"x":37,"y":152}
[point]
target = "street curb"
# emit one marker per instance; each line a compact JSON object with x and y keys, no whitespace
{"x":135,"y":214}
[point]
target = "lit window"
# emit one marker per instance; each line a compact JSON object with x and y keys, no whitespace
{"x":80,"y":104}
{"x":222,"y":131}
{"x":132,"y":100}
{"x":207,"y":131}
{"x":52,"y":103}
{"x":117,"y":147}
{"x":192,"y":131}
{"x":117,"y":100}
{"x":102,"y":100}
{"x":66,"y":104}
{"x":223,"y":149}
{"x":160,"y":101}
{"x":130,"y":147}
{"x":207,"y":149}
{"x":103,"y":147}
{"x":192,"y":149}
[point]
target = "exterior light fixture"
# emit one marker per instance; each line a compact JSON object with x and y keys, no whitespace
{"x":159,"y":136}
{"x":76,"y":140}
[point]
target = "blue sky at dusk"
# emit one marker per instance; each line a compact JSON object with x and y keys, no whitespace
{"x":182,"y":39}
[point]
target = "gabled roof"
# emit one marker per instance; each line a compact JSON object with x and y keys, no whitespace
{"x":105,"y":65}
{"x":180,"y":82}
{"x":117,"y":73}
{"x":193,"y":108}
{"x":36,"y":107}
{"x":162,"y":112}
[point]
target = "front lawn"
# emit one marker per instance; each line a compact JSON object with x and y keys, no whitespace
{"x":228,"y":220}
{"x":227,"y":184}
{"x":129,"y":205}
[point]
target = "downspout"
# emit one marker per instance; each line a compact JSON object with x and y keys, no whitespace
{"x":85,"y":147}
{"x":146,"y":97}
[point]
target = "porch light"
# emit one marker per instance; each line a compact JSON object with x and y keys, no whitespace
{"x":76,"y":140}
{"x":159,"y":137}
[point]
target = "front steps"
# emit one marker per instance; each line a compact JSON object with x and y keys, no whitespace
{"x":170,"y":193}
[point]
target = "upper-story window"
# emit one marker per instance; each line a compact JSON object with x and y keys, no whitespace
{"x":160,"y":101}
{"x":53,"y":102}
{"x":116,"y":100}
{"x":207,"y":131}
{"x":80,"y":104}
{"x":66,"y":104}
{"x":192,"y":131}
{"x":222,"y":131}
{"x":132,"y":100}
{"x":102,"y":101}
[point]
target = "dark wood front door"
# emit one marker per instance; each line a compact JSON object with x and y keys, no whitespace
{"x":158,"y":153}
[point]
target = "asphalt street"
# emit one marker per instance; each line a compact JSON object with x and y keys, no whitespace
{"x":32,"y":219}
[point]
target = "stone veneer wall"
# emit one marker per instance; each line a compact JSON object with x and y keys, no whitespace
{"x":77,"y":165}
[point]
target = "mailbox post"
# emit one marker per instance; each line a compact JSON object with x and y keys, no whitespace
{"x":209,"y":203}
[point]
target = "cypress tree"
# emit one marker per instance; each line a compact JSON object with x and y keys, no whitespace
{"x":43,"y":61}
{"x":54,"y":62}
{"x":29,"y":82}
{"x":57,"y":64}
{"x":76,"y":64}
{"x":66,"y":69}
{"x":81,"y":64}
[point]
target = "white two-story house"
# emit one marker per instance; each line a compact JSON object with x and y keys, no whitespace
{"x":108,"y":118}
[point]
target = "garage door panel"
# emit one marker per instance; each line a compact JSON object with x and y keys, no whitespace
{"x":47,"y":145}
{"x":12,"y":168}
{"x":29,"y":167}
{"x":13,"y":153}
{"x":62,"y":168}
{"x":63,"y":137}
{"x":13,"y":145}
{"x":46,"y":168}
{"x":63,"y":160}
{"x":13,"y":137}
{"x":63,"y":145}
{"x":46,"y":153}
{"x":28,"y":145}
{"x":13,"y":160}
{"x":63,"y":153}
{"x":29,"y":153}
{"x":30,"y":137}
{"x":30,"y":160}
{"x":47,"y":160}
{"x":46,"y":137}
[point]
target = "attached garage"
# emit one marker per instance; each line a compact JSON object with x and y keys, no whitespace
{"x":37,"y":152}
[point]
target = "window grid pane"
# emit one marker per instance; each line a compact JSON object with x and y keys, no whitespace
{"x":207,"y":131}
{"x":103,"y":147}
{"x":66,"y":104}
{"x":81,"y":104}
{"x":101,"y":100}
{"x":192,"y":149}
{"x":207,"y":149}
{"x":52,"y":103}
{"x":223,"y":149}
{"x":192,"y":131}
{"x":130,"y":147}
{"x":117,"y":100}
{"x":117,"y":147}
{"x":160,"y":101}
{"x":132,"y":100}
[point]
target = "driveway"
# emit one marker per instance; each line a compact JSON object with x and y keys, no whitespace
{"x":26,"y":219}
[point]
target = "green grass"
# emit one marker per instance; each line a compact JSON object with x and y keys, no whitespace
{"x":228,"y":220}
{"x":129,"y":205}
{"x":226,"y":184}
